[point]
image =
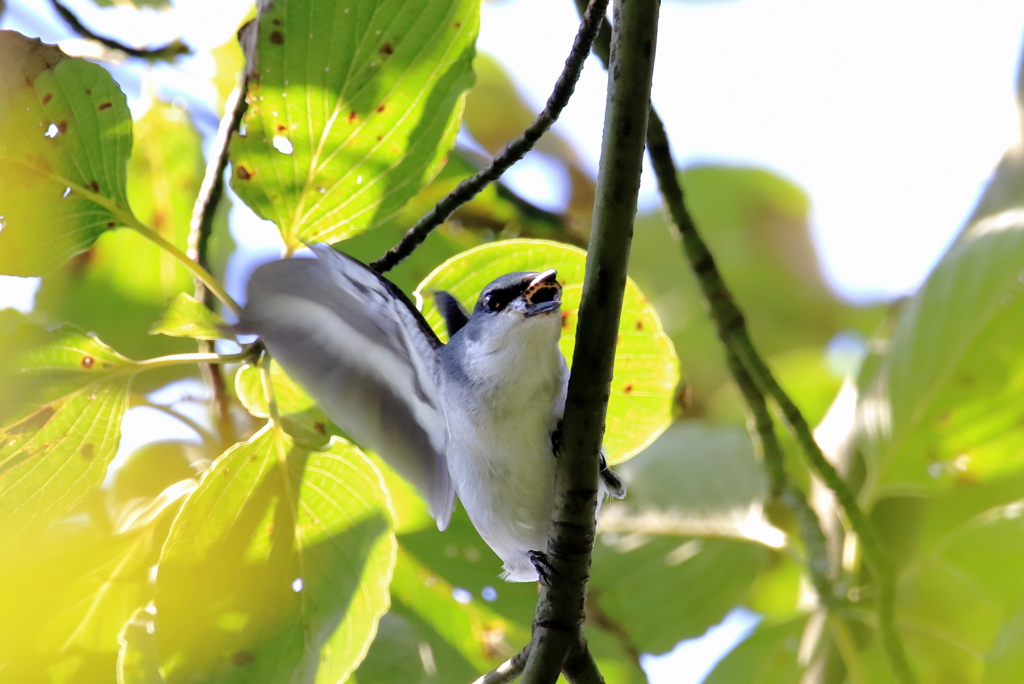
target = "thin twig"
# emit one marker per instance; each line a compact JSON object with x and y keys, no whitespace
{"x":596,"y":617}
{"x":558,"y":620}
{"x":165,"y":52}
{"x":211,"y":192}
{"x":507,"y":671}
{"x":732,"y":330}
{"x":781,"y":488}
{"x":580,"y":667}
{"x":513,"y":152}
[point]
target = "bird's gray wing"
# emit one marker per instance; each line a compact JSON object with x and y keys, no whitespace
{"x":361,"y":349}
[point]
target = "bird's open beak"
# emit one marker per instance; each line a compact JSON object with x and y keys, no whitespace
{"x":543,"y":294}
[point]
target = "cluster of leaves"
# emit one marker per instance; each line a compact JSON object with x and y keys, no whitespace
{"x":295,"y":555}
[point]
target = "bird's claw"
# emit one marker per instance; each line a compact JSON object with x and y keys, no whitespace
{"x":542,"y":566}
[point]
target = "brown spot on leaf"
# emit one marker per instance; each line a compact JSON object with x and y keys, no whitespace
{"x":565,"y":320}
{"x":277,"y":22}
{"x":628,"y":389}
{"x":110,"y":224}
{"x":320,"y":427}
{"x":160,"y":219}
{"x":380,"y":109}
{"x":281,"y":128}
{"x":94,"y":186}
{"x":47,"y":97}
{"x":88,"y":451}
{"x":105,"y":105}
{"x":88,"y":92}
{"x":277,"y":38}
{"x":34,"y":422}
{"x":88,"y":362}
{"x":379,"y":138}
{"x":243,"y":173}
{"x":386,"y":49}
{"x":458,"y":24}
{"x":353,"y":117}
{"x":242,"y":658}
{"x":639,"y":324}
{"x":62,"y":126}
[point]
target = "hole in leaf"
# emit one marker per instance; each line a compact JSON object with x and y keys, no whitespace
{"x":67,"y":191}
{"x":51,"y":132}
{"x":283,"y":144}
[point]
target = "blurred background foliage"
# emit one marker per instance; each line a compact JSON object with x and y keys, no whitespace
{"x":932,"y":440}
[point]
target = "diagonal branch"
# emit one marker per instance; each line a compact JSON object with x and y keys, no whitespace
{"x":164,"y":52}
{"x":513,"y":152}
{"x":558,"y":620}
{"x":211,"y":192}
{"x":507,"y":671}
{"x":746,"y":364}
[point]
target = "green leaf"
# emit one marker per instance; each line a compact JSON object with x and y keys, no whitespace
{"x":137,"y":659}
{"x":662,"y":589}
{"x":364,"y":98}
{"x":277,"y":567}
{"x":122,"y":285}
{"x":948,"y":404}
{"x":186,"y":316}
{"x":65,"y":136}
{"x":79,"y":579}
{"x":291,"y":398}
{"x":694,"y":481}
{"x":768,"y":656}
{"x":61,"y":408}
{"x":478,"y":634}
{"x":1005,"y":660}
{"x":757,"y":225}
{"x":646,"y":367}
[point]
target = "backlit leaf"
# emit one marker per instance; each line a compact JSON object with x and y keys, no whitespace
{"x":64,"y":396}
{"x":353,"y":109}
{"x":65,"y":136}
{"x":277,"y":567}
{"x":646,"y":367}
{"x":948,"y":404}
{"x":186,"y":316}
{"x":120,"y":286}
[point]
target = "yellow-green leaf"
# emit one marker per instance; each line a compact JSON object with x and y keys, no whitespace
{"x":63,"y":398}
{"x":352,"y":111}
{"x":277,"y":567}
{"x":186,"y":316}
{"x":290,"y":397}
{"x":65,"y":136}
{"x":646,"y":366}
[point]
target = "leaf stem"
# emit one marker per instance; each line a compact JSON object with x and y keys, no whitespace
{"x":513,"y":152}
{"x":195,"y":269}
{"x":185,"y":359}
{"x":558,"y":621}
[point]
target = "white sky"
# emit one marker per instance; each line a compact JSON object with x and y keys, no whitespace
{"x":890,"y":114}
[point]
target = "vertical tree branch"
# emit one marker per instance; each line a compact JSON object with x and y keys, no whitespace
{"x":558,"y":621}
{"x":211,"y":192}
{"x":733,"y":333}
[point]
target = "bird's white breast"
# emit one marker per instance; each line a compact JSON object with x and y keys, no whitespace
{"x":499,"y":439}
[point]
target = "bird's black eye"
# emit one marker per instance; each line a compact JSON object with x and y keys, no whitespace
{"x":492,"y":303}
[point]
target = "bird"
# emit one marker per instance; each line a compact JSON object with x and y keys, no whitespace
{"x":478,"y":418}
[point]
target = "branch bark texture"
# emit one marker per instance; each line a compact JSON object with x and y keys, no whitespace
{"x":756,"y":381}
{"x":513,"y":152}
{"x":558,"y":622}
{"x":211,"y":192}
